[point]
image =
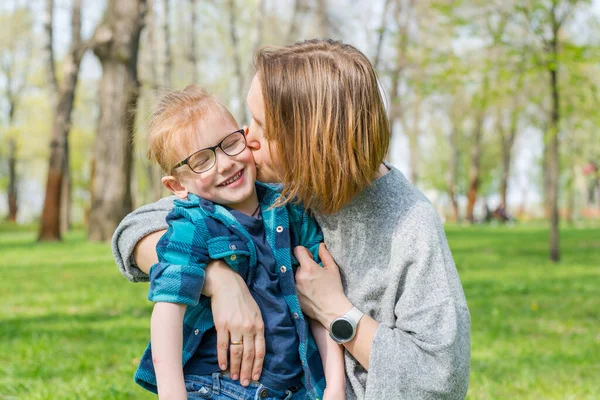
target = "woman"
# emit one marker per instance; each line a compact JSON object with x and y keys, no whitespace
{"x":319,"y":127}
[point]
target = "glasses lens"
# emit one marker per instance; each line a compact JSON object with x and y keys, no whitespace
{"x":202,"y":161}
{"x":234,"y":144}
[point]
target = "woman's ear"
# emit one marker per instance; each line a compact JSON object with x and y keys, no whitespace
{"x":175,"y":186}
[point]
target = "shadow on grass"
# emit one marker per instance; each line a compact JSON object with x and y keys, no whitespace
{"x":63,"y":322}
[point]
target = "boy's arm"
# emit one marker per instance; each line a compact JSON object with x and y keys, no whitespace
{"x":332,"y":356}
{"x":176,"y":281}
{"x":166,"y":333}
{"x":179,"y":275}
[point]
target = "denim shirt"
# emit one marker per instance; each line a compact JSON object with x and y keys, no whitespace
{"x":200,"y":231}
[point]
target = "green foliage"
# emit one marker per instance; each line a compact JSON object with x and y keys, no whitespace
{"x":72,"y":328}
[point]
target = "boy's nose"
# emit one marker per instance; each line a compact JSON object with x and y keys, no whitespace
{"x":224,"y":162}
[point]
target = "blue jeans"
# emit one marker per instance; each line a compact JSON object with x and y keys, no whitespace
{"x":221,"y":387}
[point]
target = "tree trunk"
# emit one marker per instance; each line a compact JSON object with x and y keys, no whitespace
{"x":507,"y":141}
{"x":504,"y":179}
{"x":12,"y":180}
{"x":48,"y":53}
{"x":300,"y":8}
{"x":192,"y":57}
{"x":323,"y":25}
{"x":153,"y":172}
{"x":474,"y":170}
{"x":553,"y":167}
{"x":257,"y":34}
{"x":381,"y":35}
{"x":453,"y":172}
{"x":240,"y":91}
{"x":413,"y":138}
{"x":50,"y":223}
{"x":116,"y":44}
{"x":553,"y":154}
{"x":168,"y":70}
{"x":65,"y":196}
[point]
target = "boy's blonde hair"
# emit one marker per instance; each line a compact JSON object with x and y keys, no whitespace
{"x":174,"y":123}
{"x":324,"y":116}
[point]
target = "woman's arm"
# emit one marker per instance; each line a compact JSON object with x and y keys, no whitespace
{"x":166,"y":331}
{"x":144,"y":253}
{"x":144,"y":221}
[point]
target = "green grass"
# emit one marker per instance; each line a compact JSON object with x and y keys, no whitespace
{"x":535,"y":325}
{"x":72,"y":328}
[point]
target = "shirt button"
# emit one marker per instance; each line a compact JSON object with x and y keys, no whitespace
{"x":296,"y":316}
{"x":279,"y":229}
{"x":196,"y":332}
{"x":233,"y":257}
{"x":283,"y":269}
{"x":264,"y":393}
{"x":232,"y":246}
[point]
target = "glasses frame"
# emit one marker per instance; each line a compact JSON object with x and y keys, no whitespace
{"x":214,"y":150}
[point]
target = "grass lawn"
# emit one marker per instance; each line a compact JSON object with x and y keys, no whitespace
{"x":72,"y":328}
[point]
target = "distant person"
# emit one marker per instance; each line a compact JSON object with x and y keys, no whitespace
{"x":502,"y":215}
{"x":222,"y":213}
{"x":319,"y":127}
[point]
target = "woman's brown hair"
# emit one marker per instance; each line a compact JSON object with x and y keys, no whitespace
{"x":325,"y":117}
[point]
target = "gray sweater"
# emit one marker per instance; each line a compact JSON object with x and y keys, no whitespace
{"x":396,"y":267}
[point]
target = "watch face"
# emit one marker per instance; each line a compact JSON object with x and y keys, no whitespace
{"x":342,"y":329}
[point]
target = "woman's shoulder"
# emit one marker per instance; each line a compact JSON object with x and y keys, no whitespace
{"x":390,"y":198}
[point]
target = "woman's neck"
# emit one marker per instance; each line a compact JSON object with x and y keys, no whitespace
{"x":382,"y":171}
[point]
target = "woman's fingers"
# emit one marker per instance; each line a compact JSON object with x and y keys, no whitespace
{"x":303,"y":256}
{"x":247,"y":360}
{"x":222,"y":347}
{"x":259,"y":355}
{"x":235,"y":360}
{"x":326,"y":258}
{"x":238,"y":318}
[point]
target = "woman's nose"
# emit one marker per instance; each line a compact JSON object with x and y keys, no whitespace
{"x":251,"y":141}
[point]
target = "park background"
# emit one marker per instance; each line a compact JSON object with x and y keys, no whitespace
{"x":494,"y":109}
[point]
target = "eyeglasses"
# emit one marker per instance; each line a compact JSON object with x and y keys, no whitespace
{"x":203,"y":160}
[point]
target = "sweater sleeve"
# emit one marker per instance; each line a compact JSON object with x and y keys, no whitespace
{"x":135,"y":226}
{"x":425,"y":354}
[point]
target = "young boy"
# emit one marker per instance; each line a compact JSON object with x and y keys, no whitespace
{"x":222,"y":213}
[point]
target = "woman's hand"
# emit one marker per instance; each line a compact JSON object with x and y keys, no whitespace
{"x":319,"y":289}
{"x":237,"y":319}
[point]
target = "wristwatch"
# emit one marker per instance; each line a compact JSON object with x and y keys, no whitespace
{"x":343,"y":329}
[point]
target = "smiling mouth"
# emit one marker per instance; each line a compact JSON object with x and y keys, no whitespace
{"x":232,"y":179}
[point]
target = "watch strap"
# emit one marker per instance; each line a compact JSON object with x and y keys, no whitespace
{"x":354,"y":315}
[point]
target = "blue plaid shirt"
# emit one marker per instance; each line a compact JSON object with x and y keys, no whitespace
{"x":200,"y":231}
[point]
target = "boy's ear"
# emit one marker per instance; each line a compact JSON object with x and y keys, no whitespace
{"x":173,"y":184}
